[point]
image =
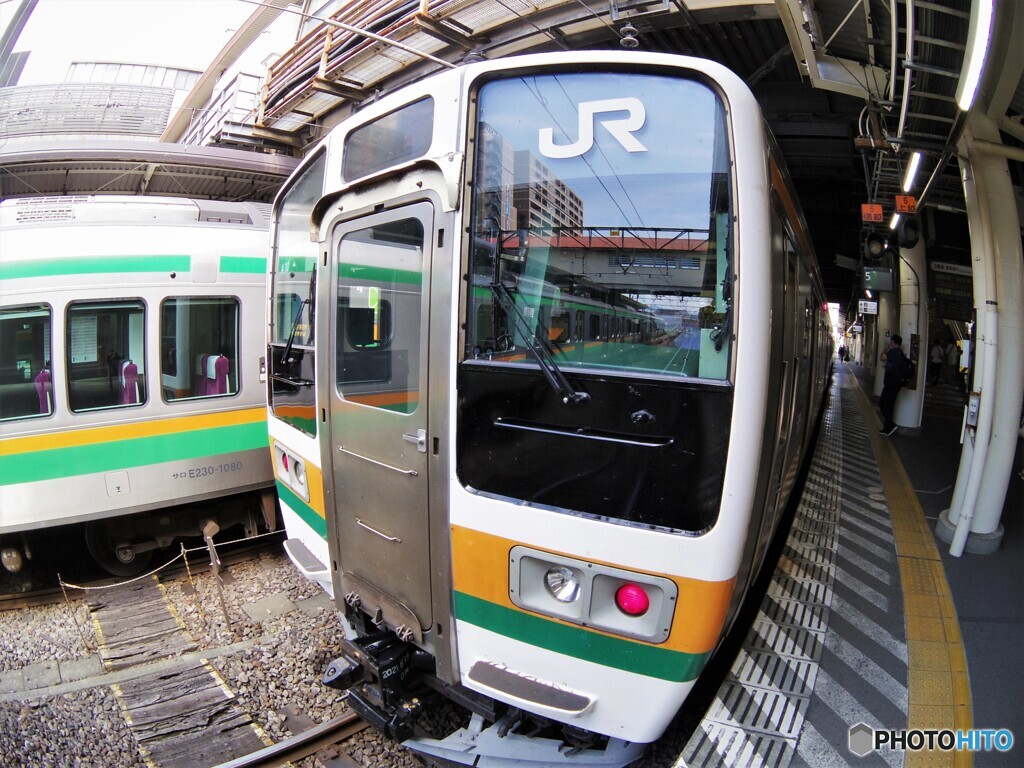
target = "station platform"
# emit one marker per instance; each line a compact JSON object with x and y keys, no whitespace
{"x":868,"y":619}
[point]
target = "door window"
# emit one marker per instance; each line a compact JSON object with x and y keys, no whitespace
{"x":379,"y":301}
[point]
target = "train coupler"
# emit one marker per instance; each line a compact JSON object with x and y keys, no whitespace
{"x":383,"y":676}
{"x":397,"y":723}
{"x":341,"y":674}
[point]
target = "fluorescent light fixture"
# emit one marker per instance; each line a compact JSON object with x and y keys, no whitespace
{"x":867,"y":293}
{"x":977,"y":46}
{"x":911,"y":175}
{"x":894,"y":221}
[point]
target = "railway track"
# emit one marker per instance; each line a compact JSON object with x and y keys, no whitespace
{"x":185,"y":714}
{"x":303,"y":745}
{"x":177,"y":688}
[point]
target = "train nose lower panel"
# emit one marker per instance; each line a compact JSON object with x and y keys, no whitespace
{"x":513,"y":687}
{"x":501,"y":746}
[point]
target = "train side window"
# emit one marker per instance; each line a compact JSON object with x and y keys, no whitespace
{"x":198,"y":348}
{"x":395,"y":138}
{"x":106,"y":355}
{"x":26,"y":385}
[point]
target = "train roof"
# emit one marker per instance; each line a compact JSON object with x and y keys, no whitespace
{"x":129,"y":210}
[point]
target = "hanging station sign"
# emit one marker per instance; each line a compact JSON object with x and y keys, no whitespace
{"x":871,"y":213}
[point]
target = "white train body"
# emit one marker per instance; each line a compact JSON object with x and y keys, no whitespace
{"x":568,"y":348}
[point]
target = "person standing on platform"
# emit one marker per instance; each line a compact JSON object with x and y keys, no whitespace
{"x":953,"y":361}
{"x":893,"y":360}
{"x":937,"y":357}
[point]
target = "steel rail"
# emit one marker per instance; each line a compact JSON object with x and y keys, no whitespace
{"x":305,"y":744}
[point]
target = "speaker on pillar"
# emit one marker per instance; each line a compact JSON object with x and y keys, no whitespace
{"x":909,"y":231}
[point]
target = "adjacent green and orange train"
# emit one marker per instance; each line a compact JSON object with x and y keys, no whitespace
{"x":131,"y":394}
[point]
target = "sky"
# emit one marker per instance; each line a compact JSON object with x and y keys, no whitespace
{"x":177,"y":33}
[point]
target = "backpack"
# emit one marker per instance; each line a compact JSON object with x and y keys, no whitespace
{"x":907,"y":371}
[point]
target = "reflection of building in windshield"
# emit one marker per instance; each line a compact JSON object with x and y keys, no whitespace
{"x":541,"y":198}
{"x":517,"y":191}
{"x":495,"y":177}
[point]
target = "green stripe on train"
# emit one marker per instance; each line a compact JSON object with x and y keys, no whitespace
{"x":296,"y":264}
{"x":243,"y":265}
{"x":379,"y":274}
{"x":302,"y":509}
{"x":93,"y":265}
{"x":637,"y":658}
{"x":52,"y":463}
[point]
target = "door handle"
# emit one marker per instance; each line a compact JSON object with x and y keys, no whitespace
{"x":419,"y":440}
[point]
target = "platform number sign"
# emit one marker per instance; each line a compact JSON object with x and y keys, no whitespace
{"x":871,"y":213}
{"x":906,"y":204}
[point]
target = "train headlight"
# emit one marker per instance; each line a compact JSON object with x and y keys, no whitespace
{"x":632,"y":600}
{"x":291,"y":470}
{"x":562,"y":583}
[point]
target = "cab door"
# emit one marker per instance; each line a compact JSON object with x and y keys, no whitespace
{"x":378,"y":414}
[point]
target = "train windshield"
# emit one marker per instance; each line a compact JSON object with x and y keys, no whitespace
{"x":602,"y":209}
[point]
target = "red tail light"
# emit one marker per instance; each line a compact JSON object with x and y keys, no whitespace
{"x":632,"y":600}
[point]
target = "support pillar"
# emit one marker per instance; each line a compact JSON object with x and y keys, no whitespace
{"x":913,"y":321}
{"x":888,"y":324}
{"x":973,"y":521}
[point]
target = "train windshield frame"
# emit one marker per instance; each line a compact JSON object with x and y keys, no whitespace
{"x":598,"y":318}
{"x":602,"y":203}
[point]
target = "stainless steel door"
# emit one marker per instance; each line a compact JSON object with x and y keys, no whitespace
{"x":378,"y":413}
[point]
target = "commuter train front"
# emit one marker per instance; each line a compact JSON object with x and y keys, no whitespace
{"x":570,"y":345}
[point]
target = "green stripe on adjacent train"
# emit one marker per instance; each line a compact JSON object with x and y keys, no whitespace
{"x":296,"y":264}
{"x":638,"y":658}
{"x":379,"y":274}
{"x":93,"y":265}
{"x":35,"y":466}
{"x":243,"y":265}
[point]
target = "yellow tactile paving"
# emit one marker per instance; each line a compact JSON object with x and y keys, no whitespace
{"x":933,"y":686}
{"x":957,"y":658}
{"x":927,"y":654}
{"x":917,"y":576}
{"x":917,"y":604}
{"x":917,"y":550}
{"x":925,"y":628}
{"x":939,"y":689}
{"x":926,"y":716}
{"x":926,"y":759}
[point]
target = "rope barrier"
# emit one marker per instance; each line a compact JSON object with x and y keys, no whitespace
{"x":179,"y":556}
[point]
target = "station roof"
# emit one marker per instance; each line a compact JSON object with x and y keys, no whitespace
{"x":56,"y":166}
{"x":850,"y":88}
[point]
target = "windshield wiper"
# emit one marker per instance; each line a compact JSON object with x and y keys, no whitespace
{"x":538,"y":348}
{"x":306,"y":302}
